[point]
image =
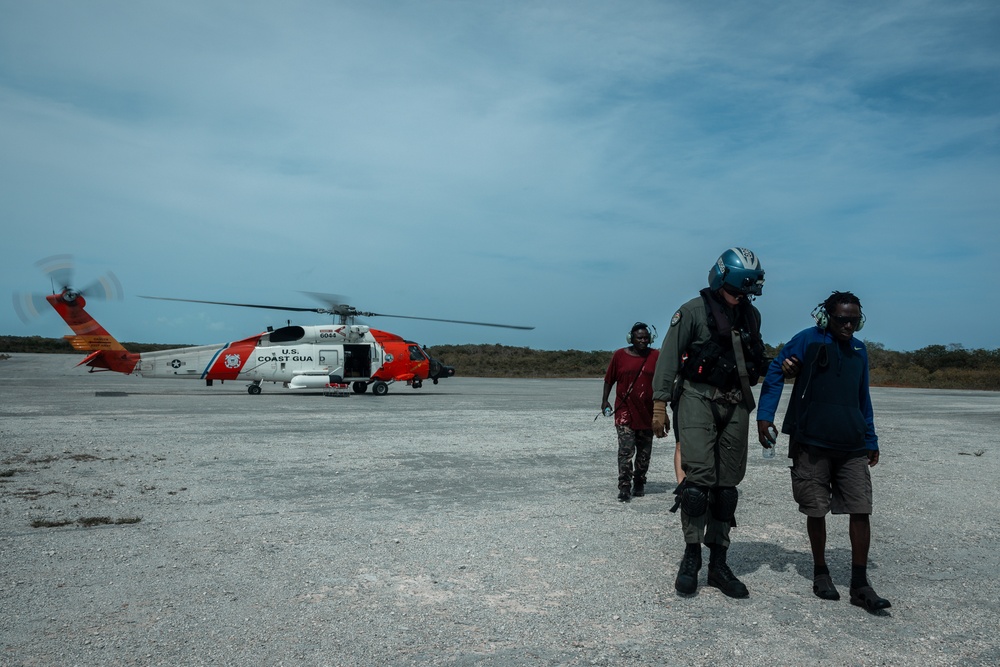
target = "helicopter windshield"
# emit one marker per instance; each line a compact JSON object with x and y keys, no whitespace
{"x":287,"y":334}
{"x":416,"y":354}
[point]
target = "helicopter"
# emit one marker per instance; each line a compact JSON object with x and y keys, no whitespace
{"x":341,"y":354}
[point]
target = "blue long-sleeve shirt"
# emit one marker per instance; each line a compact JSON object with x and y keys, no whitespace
{"x":831,"y":404}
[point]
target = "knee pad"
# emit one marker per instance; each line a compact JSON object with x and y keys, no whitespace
{"x":723,"y":502}
{"x":694,"y":500}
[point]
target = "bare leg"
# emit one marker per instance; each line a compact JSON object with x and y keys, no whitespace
{"x":861,"y":537}
{"x":862,"y":594}
{"x":816,"y":527}
{"x":822,"y":583}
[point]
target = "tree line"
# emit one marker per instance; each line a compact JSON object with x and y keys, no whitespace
{"x":935,"y":366}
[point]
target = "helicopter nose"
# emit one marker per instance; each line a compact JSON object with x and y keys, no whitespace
{"x":439,"y":370}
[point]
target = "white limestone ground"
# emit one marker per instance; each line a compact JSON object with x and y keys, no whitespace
{"x":473,"y":522}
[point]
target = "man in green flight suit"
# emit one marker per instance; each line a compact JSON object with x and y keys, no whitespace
{"x":712,"y":355}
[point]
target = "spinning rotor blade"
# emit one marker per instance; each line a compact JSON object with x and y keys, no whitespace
{"x":337,"y":305}
{"x":105,"y":288}
{"x":29,"y":306}
{"x":240,"y":305}
{"x":337,"y":308}
{"x":332,"y":300}
{"x":59,"y":269}
{"x":435,"y":319}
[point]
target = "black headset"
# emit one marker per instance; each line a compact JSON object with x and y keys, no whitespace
{"x":641,"y":325}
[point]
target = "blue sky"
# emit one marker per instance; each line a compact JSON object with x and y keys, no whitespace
{"x":575,"y":166}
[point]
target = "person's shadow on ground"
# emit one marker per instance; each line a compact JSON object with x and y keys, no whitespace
{"x":747,"y":557}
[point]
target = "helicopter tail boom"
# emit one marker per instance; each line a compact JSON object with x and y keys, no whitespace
{"x":108,"y":360}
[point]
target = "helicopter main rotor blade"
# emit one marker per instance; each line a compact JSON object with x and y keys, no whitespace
{"x":339,"y":309}
{"x":435,"y":319}
{"x":241,"y":305}
{"x":332,"y":300}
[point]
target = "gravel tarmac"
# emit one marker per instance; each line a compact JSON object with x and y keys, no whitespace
{"x":474,"y":522}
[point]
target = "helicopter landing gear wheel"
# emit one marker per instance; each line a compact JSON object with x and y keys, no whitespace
{"x":417,"y":384}
{"x":380,"y":388}
{"x":253,"y":389}
{"x":359,"y":387}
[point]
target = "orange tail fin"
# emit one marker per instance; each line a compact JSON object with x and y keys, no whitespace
{"x":90,"y":336}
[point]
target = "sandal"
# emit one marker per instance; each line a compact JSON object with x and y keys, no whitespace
{"x":823,"y":587}
{"x":867,"y":598}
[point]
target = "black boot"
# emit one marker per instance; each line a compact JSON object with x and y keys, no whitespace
{"x":638,"y":489}
{"x":720,"y":576}
{"x":624,"y":495}
{"x":687,"y":576}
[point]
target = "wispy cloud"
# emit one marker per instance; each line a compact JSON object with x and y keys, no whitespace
{"x":576,"y":166}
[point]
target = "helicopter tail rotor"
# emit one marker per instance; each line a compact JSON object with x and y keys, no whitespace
{"x":60,"y":269}
{"x":29,"y":306}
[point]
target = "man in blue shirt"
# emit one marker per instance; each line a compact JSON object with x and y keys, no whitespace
{"x":832,"y":440}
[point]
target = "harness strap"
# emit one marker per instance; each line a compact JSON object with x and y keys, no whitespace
{"x":628,"y":392}
{"x":741,"y":366}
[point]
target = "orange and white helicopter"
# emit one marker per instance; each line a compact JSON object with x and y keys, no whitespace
{"x":299,"y":357}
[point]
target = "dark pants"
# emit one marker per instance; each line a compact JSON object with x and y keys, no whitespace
{"x":633,"y":443}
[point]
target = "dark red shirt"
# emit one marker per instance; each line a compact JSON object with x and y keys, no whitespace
{"x":635,"y":411}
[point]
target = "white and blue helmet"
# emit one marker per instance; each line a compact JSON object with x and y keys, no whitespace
{"x":740,"y":269}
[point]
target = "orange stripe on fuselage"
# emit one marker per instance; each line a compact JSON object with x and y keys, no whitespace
{"x":231,"y":360}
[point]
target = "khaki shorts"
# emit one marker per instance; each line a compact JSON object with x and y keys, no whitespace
{"x":821,"y":483}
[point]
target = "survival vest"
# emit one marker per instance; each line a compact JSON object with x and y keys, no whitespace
{"x":714,"y":362}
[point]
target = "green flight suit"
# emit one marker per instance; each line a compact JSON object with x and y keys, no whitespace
{"x":712,"y":424}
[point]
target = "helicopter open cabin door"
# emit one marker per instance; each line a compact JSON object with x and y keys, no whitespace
{"x":358,"y":362}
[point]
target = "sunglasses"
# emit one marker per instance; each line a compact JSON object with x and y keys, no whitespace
{"x":729,"y":289}
{"x":844,"y":321}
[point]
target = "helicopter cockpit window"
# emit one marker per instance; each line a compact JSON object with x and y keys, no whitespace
{"x":416,"y":354}
{"x":287,"y":334}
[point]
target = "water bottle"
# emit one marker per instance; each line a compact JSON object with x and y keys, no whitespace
{"x":608,"y":411}
{"x":772,"y":439}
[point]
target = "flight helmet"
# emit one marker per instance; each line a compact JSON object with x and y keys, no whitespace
{"x":740,"y":269}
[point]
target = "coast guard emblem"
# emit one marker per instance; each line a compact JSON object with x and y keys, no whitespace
{"x":232,"y":361}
